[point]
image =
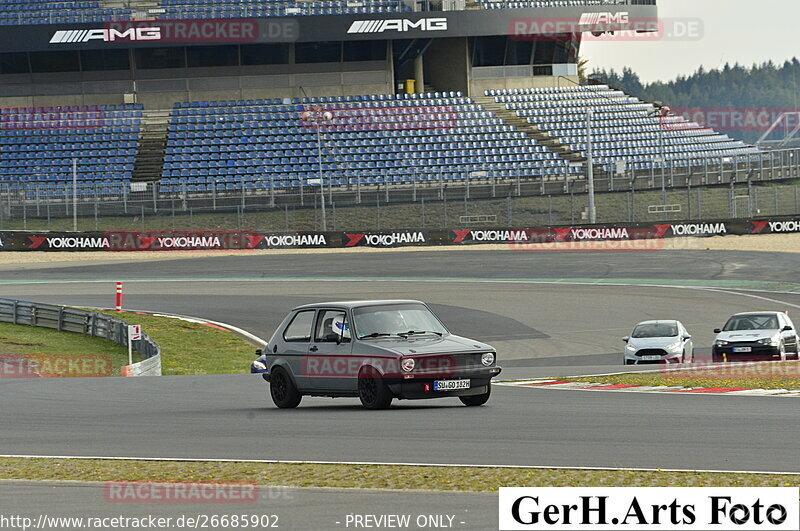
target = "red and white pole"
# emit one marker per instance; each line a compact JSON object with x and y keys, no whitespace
{"x":119,"y":297}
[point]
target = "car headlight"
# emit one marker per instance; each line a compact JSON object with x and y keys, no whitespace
{"x":630,"y":347}
{"x":772,"y":341}
{"x":407,"y":364}
{"x":259,"y":365}
{"x":721,"y":342}
{"x":674,"y":346}
{"x":488,"y":358}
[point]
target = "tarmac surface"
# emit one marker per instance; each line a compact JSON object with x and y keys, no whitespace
{"x":548,"y":314}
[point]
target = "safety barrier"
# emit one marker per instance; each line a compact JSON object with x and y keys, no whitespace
{"x":67,"y":319}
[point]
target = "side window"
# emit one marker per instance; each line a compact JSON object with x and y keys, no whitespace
{"x":300,"y":328}
{"x":329,"y":326}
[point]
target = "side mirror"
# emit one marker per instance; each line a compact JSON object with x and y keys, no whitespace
{"x":787,"y":328}
{"x":259,"y":352}
{"x":626,"y":339}
{"x":687,"y":337}
{"x":717,"y":330}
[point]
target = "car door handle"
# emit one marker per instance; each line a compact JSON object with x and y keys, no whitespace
{"x":313,"y":349}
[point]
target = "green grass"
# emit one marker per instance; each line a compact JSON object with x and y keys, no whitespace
{"x":192,"y":348}
{"x":370,"y":476}
{"x":186,"y":348}
{"x":767,"y":375}
{"x":50,"y":349}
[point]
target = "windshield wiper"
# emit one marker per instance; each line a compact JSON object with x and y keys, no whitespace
{"x":376,"y":334}
{"x":419,"y":332}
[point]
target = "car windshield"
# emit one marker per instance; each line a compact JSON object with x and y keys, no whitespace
{"x":655,"y":330}
{"x":396,"y":319}
{"x":751,"y":322}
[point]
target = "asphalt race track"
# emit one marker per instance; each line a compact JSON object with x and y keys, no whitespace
{"x":540,"y":329}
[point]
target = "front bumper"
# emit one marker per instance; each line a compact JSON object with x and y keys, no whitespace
{"x":419,"y":387}
{"x":667,"y":357}
{"x":757,"y":352}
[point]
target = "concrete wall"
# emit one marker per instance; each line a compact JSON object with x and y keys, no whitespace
{"x":478,"y":86}
{"x":161,"y":88}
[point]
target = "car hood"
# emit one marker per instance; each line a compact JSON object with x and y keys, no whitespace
{"x":746,"y":335}
{"x":429,"y":345}
{"x":651,"y":342}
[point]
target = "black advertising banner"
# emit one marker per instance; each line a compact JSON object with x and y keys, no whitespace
{"x":247,"y":240}
{"x":522,"y":23}
{"x":193,"y":240}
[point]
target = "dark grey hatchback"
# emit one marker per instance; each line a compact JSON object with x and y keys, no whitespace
{"x":375,"y":350}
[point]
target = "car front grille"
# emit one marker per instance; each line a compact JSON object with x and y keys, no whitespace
{"x":651,"y":352}
{"x":447,"y":363}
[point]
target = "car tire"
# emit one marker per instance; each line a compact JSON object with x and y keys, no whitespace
{"x":630,"y":362}
{"x":716,"y":358}
{"x":796,"y":352}
{"x":372,"y":390}
{"x":282,"y":389}
{"x":477,"y":400}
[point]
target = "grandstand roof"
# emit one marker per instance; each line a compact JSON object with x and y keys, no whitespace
{"x":339,"y":27}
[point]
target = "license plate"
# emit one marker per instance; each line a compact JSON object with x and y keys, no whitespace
{"x":742,"y":349}
{"x":450,"y":385}
{"x":651,"y":358}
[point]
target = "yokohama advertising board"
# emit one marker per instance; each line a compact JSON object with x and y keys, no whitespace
{"x":249,"y":240}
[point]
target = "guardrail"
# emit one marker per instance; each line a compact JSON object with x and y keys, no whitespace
{"x":67,"y":319}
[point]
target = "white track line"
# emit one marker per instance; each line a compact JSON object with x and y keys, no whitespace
{"x":723,"y":290}
{"x":565,"y":282}
{"x":378,"y":463}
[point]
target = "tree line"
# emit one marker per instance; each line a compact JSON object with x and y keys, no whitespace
{"x":766,"y":86}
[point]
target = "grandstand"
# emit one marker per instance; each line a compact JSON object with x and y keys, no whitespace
{"x":624,"y":128}
{"x":367,"y":139}
{"x":17,"y":12}
{"x":40,"y":144}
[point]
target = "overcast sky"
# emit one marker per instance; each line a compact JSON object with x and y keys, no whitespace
{"x":746,"y":31}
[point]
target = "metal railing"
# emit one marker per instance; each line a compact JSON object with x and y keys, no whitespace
{"x":66,"y":319}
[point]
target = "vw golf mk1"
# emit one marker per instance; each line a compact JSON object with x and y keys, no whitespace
{"x":376,"y":351}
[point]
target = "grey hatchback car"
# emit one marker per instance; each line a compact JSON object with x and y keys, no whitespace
{"x":376,"y":351}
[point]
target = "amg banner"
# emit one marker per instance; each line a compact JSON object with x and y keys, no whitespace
{"x":198,"y":240}
{"x":521,"y":23}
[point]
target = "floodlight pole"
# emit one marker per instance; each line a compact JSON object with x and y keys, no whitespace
{"x":318,"y":115}
{"x":590,"y":166}
{"x":663,"y":164}
{"x":318,"y":122}
{"x":75,"y":195}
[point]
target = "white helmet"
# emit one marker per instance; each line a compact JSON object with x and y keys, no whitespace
{"x":340,"y":327}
